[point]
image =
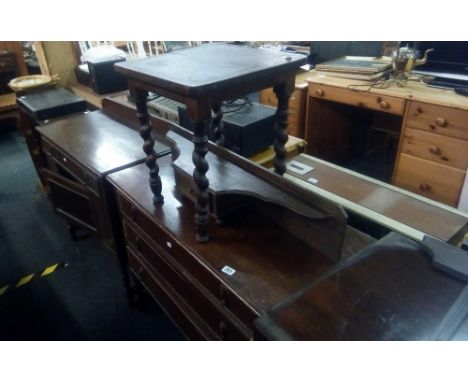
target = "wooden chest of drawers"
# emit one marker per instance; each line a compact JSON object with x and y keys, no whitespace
{"x":432,"y":155}
{"x":433,"y":151}
{"x":187,"y":278}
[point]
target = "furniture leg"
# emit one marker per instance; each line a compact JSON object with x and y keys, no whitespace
{"x":217,"y":124}
{"x":148,"y":146}
{"x":200,"y":141}
{"x":283,"y":93}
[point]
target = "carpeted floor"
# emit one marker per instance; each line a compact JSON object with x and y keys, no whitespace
{"x":86,"y":299}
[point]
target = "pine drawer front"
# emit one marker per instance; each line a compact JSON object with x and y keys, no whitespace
{"x":434,"y":147}
{"x":362,"y":99}
{"x":432,"y":180}
{"x":438,"y":119}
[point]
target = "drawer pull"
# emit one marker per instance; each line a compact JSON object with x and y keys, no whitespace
{"x":64,"y":160}
{"x":320,"y":92}
{"x":434,"y":150}
{"x":424,"y":187}
{"x":384,"y":105}
{"x":168,"y":244}
{"x":441,"y":122}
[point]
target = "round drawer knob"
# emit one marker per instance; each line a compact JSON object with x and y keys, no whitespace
{"x":441,"y":122}
{"x":320,"y":92}
{"x":424,"y":187}
{"x":434,"y":150}
{"x":64,"y":159}
{"x":384,"y":105}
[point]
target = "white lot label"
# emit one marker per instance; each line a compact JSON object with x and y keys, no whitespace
{"x":228,"y":270}
{"x":298,"y":167}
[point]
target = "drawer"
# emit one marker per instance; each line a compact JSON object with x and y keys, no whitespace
{"x":219,"y":319}
{"x":358,"y":98}
{"x":433,"y":180}
{"x":82,"y":175}
{"x":72,"y":200}
{"x":438,"y":148}
{"x":438,"y":119}
{"x":178,"y":310}
{"x":202,"y":273}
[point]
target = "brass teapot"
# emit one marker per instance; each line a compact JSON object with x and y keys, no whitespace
{"x":404,"y":60}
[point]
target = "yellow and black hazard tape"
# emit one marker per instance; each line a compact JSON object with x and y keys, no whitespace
{"x":27,"y":279}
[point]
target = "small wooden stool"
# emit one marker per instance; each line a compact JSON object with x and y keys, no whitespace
{"x":201,"y":78}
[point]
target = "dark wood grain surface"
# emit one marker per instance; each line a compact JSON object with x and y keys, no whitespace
{"x":423,"y":216}
{"x":391,"y":293}
{"x":208,"y":67}
{"x":97,"y":141}
{"x":270,"y":263}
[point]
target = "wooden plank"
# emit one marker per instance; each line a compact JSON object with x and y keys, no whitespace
{"x":397,"y":209}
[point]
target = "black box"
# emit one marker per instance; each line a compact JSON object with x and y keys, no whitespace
{"x":246,"y":132}
{"x":82,"y":75}
{"x":50,"y":103}
{"x":104,"y":79}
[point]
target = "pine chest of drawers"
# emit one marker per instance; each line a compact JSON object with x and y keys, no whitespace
{"x":433,"y":155}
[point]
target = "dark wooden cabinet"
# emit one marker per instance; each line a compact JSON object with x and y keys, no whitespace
{"x":79,"y":152}
{"x":186,"y":277}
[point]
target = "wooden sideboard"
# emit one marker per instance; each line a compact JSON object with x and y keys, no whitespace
{"x":297,"y":104}
{"x":79,"y":152}
{"x":432,"y":155}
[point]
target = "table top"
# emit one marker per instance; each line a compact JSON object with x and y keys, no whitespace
{"x":209,"y":67}
{"x":97,"y":141}
{"x":389,"y":292}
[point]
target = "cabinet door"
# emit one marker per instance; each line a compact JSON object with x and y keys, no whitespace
{"x":72,"y":200}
